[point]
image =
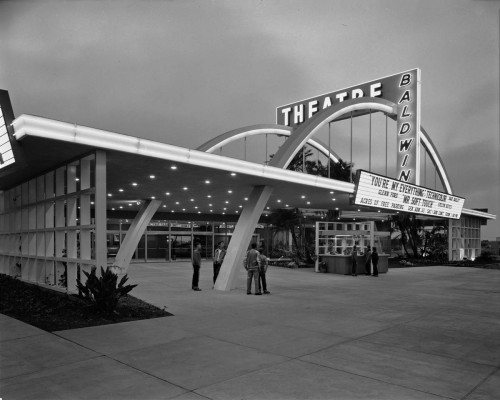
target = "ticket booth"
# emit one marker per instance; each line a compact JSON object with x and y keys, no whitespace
{"x":335,"y":243}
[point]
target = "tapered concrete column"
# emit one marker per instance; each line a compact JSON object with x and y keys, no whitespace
{"x":101,"y":250}
{"x":233,"y":261}
{"x":134,"y":234}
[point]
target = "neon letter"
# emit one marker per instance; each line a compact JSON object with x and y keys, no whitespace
{"x":404,"y":145}
{"x":313,"y":107}
{"x":405,"y":112}
{"x":327,"y":103}
{"x":286,"y":112}
{"x":341,"y":96}
{"x":373,"y":90}
{"x":356,"y":93}
{"x":406,"y":97}
{"x":404,"y":160}
{"x":405,"y":80}
{"x":405,"y":175}
{"x":298,"y":112}
{"x":405,"y":128}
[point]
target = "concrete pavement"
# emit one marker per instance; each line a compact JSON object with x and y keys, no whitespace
{"x":414,"y":333}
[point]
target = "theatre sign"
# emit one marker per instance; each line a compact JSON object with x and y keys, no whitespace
{"x":402,"y":89}
{"x":378,"y":191}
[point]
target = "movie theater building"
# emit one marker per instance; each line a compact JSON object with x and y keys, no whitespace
{"x":74,"y":197}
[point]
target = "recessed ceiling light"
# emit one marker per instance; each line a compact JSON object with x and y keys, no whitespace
{"x":230,"y":191}
{"x":173,"y":167}
{"x":152,"y":176}
{"x":77,"y":179}
{"x":172,"y":211}
{"x":207,"y":181}
{"x":167,"y":193}
{"x":224,"y":208}
{"x":164,"y":205}
{"x":183,"y":209}
{"x":199,"y":212}
{"x":267,"y":208}
{"x":302,"y":197}
{"x":192,"y":200}
{"x":113,"y":209}
{"x":185,"y":188}
{"x":333,"y":199}
{"x":210,"y":205}
{"x":109,"y":195}
{"x":92,"y":202}
{"x":153,"y":197}
{"x":308,"y":202}
{"x":240,"y":206}
{"x":233,"y":174}
{"x":177,"y":202}
{"x":211,"y":210}
{"x":246,"y":198}
{"x":120,"y":190}
{"x":196,"y":207}
{"x":236,"y":211}
{"x":209,"y":196}
{"x":134,"y":183}
{"x":332,"y":192}
{"x":227,"y":202}
{"x":279,"y":201}
{"x":130,"y":205}
{"x":121,"y":206}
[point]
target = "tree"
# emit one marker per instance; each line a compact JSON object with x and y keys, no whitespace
{"x":340,"y":170}
{"x":410,"y":228}
{"x":286,"y":220}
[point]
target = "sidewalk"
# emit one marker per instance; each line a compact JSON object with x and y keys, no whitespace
{"x":414,"y":333}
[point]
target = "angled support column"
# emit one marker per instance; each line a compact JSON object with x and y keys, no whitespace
{"x":233,"y":261}
{"x":134,"y":234}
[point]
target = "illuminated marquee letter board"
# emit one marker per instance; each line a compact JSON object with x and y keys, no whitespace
{"x":402,"y":89}
{"x":379,"y":191}
{"x":6,"y":152}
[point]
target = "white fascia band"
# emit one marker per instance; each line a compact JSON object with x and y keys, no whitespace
{"x":27,"y":125}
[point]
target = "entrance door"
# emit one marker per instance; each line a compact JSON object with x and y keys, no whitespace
{"x":181,"y":247}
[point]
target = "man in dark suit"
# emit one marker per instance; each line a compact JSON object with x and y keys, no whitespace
{"x":219,"y":255}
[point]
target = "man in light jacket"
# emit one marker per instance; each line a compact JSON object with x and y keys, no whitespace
{"x":252,"y":265}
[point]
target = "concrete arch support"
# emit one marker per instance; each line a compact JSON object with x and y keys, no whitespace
{"x":134,"y":234}
{"x":241,"y":236}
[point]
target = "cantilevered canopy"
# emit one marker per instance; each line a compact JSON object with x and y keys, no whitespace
{"x":186,"y":181}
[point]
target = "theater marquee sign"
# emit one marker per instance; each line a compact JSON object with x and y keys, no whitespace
{"x":402,"y":89}
{"x":374,"y":190}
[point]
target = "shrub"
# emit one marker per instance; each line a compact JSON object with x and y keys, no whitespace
{"x":104,"y":292}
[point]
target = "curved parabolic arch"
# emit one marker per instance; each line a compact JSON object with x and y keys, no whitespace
{"x":303,"y":134}
{"x":262,"y":129}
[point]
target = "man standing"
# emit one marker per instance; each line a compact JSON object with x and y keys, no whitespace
{"x":263,"y":270}
{"x":219,"y":255}
{"x":368,"y":261}
{"x":252,"y":265}
{"x":375,"y":261}
{"x":196,"y":266}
